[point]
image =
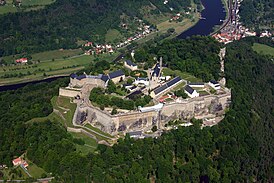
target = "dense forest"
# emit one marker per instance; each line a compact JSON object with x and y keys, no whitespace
{"x":257,"y":14}
{"x":62,"y":23}
{"x":239,"y":149}
{"x":198,"y":56}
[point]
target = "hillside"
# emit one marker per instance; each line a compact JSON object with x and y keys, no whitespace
{"x":63,"y":23}
{"x":257,"y":14}
{"x":238,"y":149}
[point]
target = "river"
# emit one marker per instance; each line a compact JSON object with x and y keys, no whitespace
{"x":213,"y":12}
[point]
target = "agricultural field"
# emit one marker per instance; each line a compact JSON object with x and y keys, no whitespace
{"x":27,"y":5}
{"x":17,"y":73}
{"x":263,"y":49}
{"x":8,"y":8}
{"x":36,"y":2}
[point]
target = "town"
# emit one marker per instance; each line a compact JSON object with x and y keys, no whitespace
{"x":233,"y":28}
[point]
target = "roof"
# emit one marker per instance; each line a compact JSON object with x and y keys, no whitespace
{"x":135,"y":133}
{"x":167,"y":85}
{"x":189,"y":89}
{"x":160,"y":89}
{"x":196,"y":83}
{"x":74,"y":76}
{"x":157,"y":107}
{"x":17,"y":160}
{"x":105,"y":78}
{"x":116,"y":74}
{"x":156,"y":70}
{"x":142,"y":79}
{"x":130,"y":63}
{"x":213,"y":82}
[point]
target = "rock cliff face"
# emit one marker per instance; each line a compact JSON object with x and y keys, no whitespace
{"x":133,"y":121}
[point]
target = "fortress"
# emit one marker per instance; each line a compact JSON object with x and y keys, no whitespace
{"x":211,"y":105}
{"x":144,"y":118}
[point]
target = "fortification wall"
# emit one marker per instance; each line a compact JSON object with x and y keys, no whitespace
{"x":86,"y":81}
{"x":134,"y":121}
{"x":68,"y":93}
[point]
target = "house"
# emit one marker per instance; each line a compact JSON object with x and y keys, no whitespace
{"x":156,"y":72}
{"x":165,"y":87}
{"x":20,"y":161}
{"x":21,"y":60}
{"x":157,"y":107}
{"x":136,"y":134}
{"x":197,"y":85}
{"x":130,"y":65}
{"x":117,"y":76}
{"x":214,"y":84}
{"x":17,"y":161}
{"x":191,"y":92}
{"x":88,"y":44}
{"x":132,"y":88}
{"x":141,"y":81}
{"x":25,"y":164}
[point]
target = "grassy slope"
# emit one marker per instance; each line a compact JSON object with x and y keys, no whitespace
{"x":28,"y":4}
{"x":183,"y":75}
{"x":263,"y":49}
{"x":51,"y":68}
{"x":89,"y":146}
{"x":112,"y":35}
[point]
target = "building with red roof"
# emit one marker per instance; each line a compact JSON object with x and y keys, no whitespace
{"x":17,"y":161}
{"x":22,"y":60}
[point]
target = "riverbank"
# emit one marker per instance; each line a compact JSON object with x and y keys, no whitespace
{"x":211,"y":15}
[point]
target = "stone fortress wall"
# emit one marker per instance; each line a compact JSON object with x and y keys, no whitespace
{"x":138,"y":121}
{"x":74,"y":82}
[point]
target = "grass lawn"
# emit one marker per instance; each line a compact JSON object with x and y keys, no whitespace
{"x":263,"y":49}
{"x":66,"y":109}
{"x":112,"y":35}
{"x":56,"y":54}
{"x":89,"y":146}
{"x":8,"y":8}
{"x":27,"y":5}
{"x":183,"y":75}
{"x":97,"y":130}
{"x":36,"y":2}
{"x":47,"y":68}
{"x":34,"y":170}
{"x":179,"y":86}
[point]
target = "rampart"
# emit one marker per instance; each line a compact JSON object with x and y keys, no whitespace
{"x":133,"y":121}
{"x":68,"y":92}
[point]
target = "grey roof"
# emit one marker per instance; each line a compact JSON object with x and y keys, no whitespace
{"x":189,"y":89}
{"x":142,"y":79}
{"x":156,"y":70}
{"x":74,"y":76}
{"x":167,"y":85}
{"x":116,"y":74}
{"x":196,"y":83}
{"x":129,"y":62}
{"x":160,"y":89}
{"x":173,"y":81}
{"x":214,"y":82}
{"x":139,"y":133}
{"x":105,"y":78}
